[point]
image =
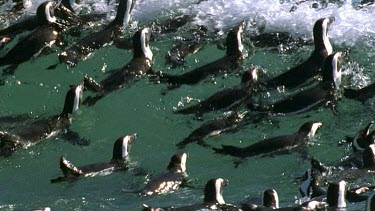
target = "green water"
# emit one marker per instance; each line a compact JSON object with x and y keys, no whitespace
{"x":142,"y":109}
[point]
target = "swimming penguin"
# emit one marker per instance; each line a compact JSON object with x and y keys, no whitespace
{"x":212,"y":128}
{"x":138,"y":66}
{"x":337,"y":194}
{"x":30,"y":134}
{"x":268,"y":199}
{"x":62,"y":14}
{"x":176,"y":56}
{"x":213,"y":198}
{"x":361,"y":95}
{"x":321,"y":94}
{"x":227,"y":97}
{"x":230,"y":61}
{"x":359,"y":143}
{"x":274,"y":144}
{"x":169,"y":180}
{"x":45,"y":35}
{"x":274,"y":40}
{"x":363,"y":138}
{"x":298,"y":75}
{"x":94,"y":41}
{"x":311,"y":185}
{"x":121,"y":150}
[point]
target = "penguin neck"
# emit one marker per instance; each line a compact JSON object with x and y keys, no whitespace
{"x":123,"y":12}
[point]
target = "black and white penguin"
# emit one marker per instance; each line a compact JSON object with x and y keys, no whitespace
{"x":268,"y":199}
{"x":63,"y":14}
{"x":321,"y":94}
{"x":30,"y":134}
{"x":94,"y":41}
{"x":227,"y":97}
{"x":213,"y":199}
{"x":301,"y":73}
{"x":232,"y":60}
{"x":121,"y":150}
{"x":275,"y":144}
{"x":138,"y":66}
{"x":45,"y":35}
{"x":169,"y":180}
{"x":213,"y":128}
{"x":361,"y":95}
{"x":311,"y":185}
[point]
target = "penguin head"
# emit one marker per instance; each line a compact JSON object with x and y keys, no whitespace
{"x":250,"y":76}
{"x":336,"y":194}
{"x":46,"y":12}
{"x":270,"y":199}
{"x":234,"y":40}
{"x":368,"y":156}
{"x":213,"y":191}
{"x":320,"y":33}
{"x":316,"y":164}
{"x":332,"y":69}
{"x":141,"y":44}
{"x":363,"y":138}
{"x":178,"y":163}
{"x":370,"y":204}
{"x":309,"y":129}
{"x":311,"y":179}
{"x":73,"y":99}
{"x":122,"y":145}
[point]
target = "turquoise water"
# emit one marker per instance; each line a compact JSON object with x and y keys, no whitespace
{"x":141,"y":108}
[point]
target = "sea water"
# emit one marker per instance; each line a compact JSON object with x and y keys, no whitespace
{"x":142,"y":108}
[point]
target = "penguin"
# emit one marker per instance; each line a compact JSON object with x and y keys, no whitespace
{"x":274,"y":144}
{"x":359,"y":143}
{"x":171,"y":25}
{"x":36,"y":131}
{"x":138,"y":66}
{"x":176,"y":56}
{"x":212,"y":128}
{"x":268,"y":199}
{"x":45,"y":35}
{"x":362,"y":140}
{"x":337,"y":194}
{"x":362,"y":95}
{"x":169,"y":180}
{"x":62,"y":14}
{"x":350,"y":174}
{"x":121,"y":150}
{"x":213,"y":198}
{"x":227,"y":97}
{"x":232,"y":60}
{"x":274,"y":40}
{"x":321,"y":94}
{"x":94,"y":41}
{"x":311,"y":185}
{"x":299,"y":74}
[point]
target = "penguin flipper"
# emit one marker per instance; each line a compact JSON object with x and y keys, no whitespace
{"x":91,"y":84}
{"x":68,"y":168}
